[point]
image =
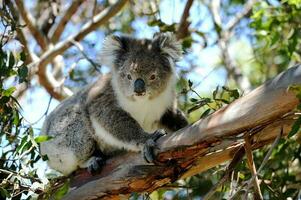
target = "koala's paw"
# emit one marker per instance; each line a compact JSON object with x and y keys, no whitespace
{"x":95,"y":165}
{"x":150,"y":146}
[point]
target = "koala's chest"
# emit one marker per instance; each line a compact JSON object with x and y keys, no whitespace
{"x":148,"y":112}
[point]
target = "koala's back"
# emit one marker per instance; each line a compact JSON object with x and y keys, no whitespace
{"x":69,"y":125}
{"x":66,"y":116}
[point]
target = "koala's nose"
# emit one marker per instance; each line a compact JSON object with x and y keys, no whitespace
{"x":139,"y":86}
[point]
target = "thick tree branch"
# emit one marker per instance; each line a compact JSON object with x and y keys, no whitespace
{"x":209,"y":142}
{"x":60,"y":27}
{"x":47,"y":80}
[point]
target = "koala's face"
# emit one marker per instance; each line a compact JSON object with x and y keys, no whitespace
{"x":142,"y":68}
{"x":143,"y":73}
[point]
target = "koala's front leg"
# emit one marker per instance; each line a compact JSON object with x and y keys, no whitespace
{"x":119,"y":130}
{"x":173,"y":120}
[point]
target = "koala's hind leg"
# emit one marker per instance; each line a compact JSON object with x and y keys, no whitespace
{"x":95,"y":163}
{"x":68,"y":151}
{"x":60,"y":158}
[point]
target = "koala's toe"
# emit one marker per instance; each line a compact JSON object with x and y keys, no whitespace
{"x":148,"y":150}
{"x":96,"y":165}
{"x":150,"y":146}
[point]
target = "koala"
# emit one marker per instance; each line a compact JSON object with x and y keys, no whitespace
{"x":125,"y":110}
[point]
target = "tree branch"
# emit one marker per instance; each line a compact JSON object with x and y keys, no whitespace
{"x":236,"y":19}
{"x":182,"y":31}
{"x":224,"y":34}
{"x":47,"y":80}
{"x":29,"y":20}
{"x":200,"y":146}
{"x":60,"y":27}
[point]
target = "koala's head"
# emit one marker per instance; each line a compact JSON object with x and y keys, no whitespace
{"x":142,"y":67}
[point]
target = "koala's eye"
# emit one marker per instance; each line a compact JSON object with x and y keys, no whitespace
{"x":152,"y":77}
{"x":129,"y":77}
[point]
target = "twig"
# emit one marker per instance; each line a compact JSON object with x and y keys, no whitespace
{"x":69,"y":72}
{"x":265,"y":160}
{"x":251,"y":164}
{"x":236,"y":19}
{"x":236,"y":159}
{"x":60,"y":27}
{"x":44,"y":114}
{"x":81,"y":49}
{"x":182,"y":31}
{"x":12,"y":173}
{"x":215,"y":9}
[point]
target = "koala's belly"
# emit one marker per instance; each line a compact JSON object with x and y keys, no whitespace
{"x":107,"y":142}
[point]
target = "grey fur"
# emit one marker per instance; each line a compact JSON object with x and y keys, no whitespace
{"x":103,"y":115}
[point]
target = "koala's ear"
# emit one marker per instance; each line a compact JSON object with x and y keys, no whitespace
{"x":168,"y":44}
{"x":113,"y":48}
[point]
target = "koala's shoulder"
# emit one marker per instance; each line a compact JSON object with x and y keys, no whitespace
{"x":101,"y":86}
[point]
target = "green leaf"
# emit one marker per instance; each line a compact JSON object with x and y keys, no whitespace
{"x":223,"y":100}
{"x":24,"y":139}
{"x":23,"y":73}
{"x":4,"y":193}
{"x":190,"y":83}
{"x":42,"y":138}
{"x":187,"y":42}
{"x":62,"y":190}
{"x":23,"y":56}
{"x":241,"y":176}
{"x":193,"y":100}
{"x":234,"y":94}
{"x":11,"y":61}
{"x":26,"y":146}
{"x":205,"y":114}
{"x":194,"y":108}
{"x":295,"y":128}
{"x":215,"y":92}
{"x":9,"y":91}
{"x":16,"y":117}
{"x":4,"y":100}
{"x":296,"y":88}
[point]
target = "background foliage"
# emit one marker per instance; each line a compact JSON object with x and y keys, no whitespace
{"x":226,"y":55}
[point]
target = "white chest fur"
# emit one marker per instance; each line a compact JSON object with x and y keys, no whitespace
{"x":147,"y":112}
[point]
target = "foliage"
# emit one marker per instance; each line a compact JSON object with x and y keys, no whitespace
{"x":272,"y":31}
{"x":19,"y":146}
{"x":277,"y":32}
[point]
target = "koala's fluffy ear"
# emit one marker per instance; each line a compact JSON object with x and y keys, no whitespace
{"x":113,"y":47}
{"x":168,"y":44}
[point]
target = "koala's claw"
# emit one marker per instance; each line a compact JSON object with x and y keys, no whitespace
{"x":96,"y":165}
{"x":150,"y":146}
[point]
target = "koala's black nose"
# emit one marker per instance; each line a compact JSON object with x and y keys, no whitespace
{"x":139,"y":86}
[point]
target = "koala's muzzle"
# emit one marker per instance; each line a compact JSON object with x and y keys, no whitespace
{"x":139,"y":86}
